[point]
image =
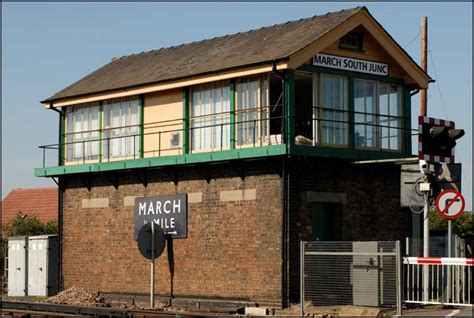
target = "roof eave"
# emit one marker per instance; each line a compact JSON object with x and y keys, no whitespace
{"x":49,"y":102}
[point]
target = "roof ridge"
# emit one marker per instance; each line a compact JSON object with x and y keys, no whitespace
{"x":357,"y":8}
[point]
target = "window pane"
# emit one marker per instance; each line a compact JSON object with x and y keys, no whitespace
{"x":334,"y":121}
{"x":365,"y":118}
{"x":210,"y":105}
{"x":248,"y":108}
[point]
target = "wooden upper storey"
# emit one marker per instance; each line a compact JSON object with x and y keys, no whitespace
{"x":228,"y":102}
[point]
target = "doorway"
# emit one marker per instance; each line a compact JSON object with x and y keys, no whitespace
{"x":326,"y":221}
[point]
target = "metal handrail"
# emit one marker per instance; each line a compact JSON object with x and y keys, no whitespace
{"x":86,"y":153}
{"x":104,"y":142}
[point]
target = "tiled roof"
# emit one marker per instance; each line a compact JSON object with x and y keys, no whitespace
{"x":41,"y":202}
{"x":267,"y":44}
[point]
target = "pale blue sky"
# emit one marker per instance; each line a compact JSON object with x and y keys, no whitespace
{"x":47,"y":46}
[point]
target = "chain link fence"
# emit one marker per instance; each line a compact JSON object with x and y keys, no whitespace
{"x":351,"y":273}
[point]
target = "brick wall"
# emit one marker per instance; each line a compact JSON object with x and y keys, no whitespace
{"x":233,"y":249}
{"x":368,"y":195}
{"x":234,"y":245}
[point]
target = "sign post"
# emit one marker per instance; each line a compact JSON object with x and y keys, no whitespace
{"x":151,"y":243}
{"x":152,"y":272}
{"x":169,"y":212}
{"x":450,"y":205}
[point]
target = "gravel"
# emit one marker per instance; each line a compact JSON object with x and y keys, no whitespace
{"x":77,"y":296}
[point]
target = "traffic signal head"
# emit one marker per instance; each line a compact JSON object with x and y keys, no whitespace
{"x":437,"y":139}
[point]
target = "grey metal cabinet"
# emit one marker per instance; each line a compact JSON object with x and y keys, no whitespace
{"x":17,"y":265}
{"x":42,"y":265}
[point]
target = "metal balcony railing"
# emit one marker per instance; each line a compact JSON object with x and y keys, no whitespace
{"x":205,"y":133}
{"x":253,"y":127}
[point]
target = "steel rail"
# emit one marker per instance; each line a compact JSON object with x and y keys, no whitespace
{"x":57,"y":309}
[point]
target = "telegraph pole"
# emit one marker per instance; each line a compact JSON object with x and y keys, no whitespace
{"x":424,"y":64}
{"x":424,"y":112}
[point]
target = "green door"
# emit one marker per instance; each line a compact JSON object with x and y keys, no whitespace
{"x":326,"y":222}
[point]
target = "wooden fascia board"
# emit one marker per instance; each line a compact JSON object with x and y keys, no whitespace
{"x":363,"y":18}
{"x":168,"y":85}
{"x":397,"y":53}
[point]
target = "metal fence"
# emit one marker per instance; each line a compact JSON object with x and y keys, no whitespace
{"x":437,"y":280}
{"x":438,"y":246}
{"x":351,"y":273}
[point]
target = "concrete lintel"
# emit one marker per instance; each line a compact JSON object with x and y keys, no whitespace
{"x":238,"y":195}
{"x":326,"y":197}
{"x":194,"y":197}
{"x":95,"y":203}
{"x":129,"y":200}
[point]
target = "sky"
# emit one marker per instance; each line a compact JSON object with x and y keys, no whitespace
{"x":47,"y":46}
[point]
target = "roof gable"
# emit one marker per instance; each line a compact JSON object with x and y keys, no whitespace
{"x":363,"y":18}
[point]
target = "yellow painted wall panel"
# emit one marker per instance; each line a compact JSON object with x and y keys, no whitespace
{"x":163,"y":116}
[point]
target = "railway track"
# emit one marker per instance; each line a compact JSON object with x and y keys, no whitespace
{"x":37,"y":309}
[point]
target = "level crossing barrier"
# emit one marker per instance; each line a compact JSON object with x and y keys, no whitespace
{"x":450,"y":280}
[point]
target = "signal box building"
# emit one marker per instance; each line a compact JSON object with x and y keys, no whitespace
{"x":261,"y":133}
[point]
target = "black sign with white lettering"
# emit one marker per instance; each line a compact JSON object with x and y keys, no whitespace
{"x":170,"y":212}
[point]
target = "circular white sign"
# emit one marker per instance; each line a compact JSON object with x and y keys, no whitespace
{"x":450,"y":204}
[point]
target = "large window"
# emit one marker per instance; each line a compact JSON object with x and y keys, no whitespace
{"x":210,"y":117}
{"x":332,"y":114}
{"x":82,"y":133}
{"x":252,"y":111}
{"x":121,"y":128}
{"x":365,"y":114}
{"x":390,"y":116}
{"x":377,"y":108}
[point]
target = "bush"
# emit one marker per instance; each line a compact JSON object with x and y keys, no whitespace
{"x":31,"y":226}
{"x":463,"y":226}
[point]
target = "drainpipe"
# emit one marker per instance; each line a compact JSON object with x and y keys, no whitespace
{"x":283,"y":86}
{"x":285,"y":202}
{"x":60,"y":198}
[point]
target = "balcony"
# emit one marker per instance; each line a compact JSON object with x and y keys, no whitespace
{"x":225,"y":136}
{"x":207,"y":138}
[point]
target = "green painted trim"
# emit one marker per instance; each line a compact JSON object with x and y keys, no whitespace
{"x":101,"y":115}
{"x":344,"y":153}
{"x":185,"y":120}
{"x":141,"y":127}
{"x":406,"y":108}
{"x":232,"y":113}
{"x":290,"y":109}
{"x":233,"y":154}
{"x":318,"y":69}
{"x":62,"y":132}
{"x":350,"y":91}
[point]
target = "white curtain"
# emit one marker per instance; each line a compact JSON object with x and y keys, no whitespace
{"x":248,"y":106}
{"x":210,"y":118}
{"x":121,"y":127}
{"x":82,"y":124}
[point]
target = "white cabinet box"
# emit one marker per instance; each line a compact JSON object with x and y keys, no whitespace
{"x":17,"y":265}
{"x":42,"y":265}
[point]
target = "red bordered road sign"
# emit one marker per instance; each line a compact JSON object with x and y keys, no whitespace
{"x":450,"y":204}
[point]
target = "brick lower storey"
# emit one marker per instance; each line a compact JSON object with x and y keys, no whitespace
{"x":233,"y":248}
{"x":245,"y":222}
